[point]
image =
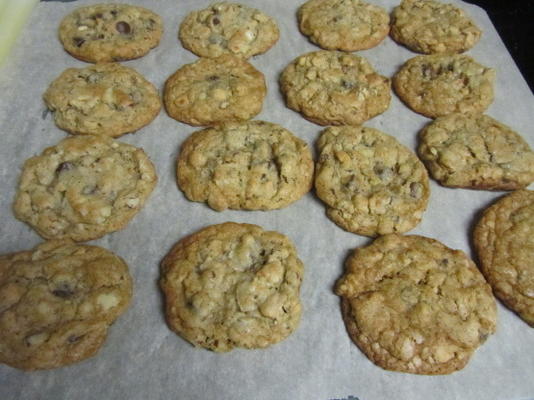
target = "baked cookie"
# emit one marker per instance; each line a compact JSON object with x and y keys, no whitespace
{"x":211,"y":91}
{"x":438,"y":85}
{"x":57,"y":302}
{"x":232,"y":285}
{"x":83,"y":188}
{"x":335,"y":88}
{"x":228,"y":28}
{"x":251,"y":165}
{"x":413,"y":305}
{"x":110,"y":32}
{"x":347,"y":25}
{"x":431,"y":27}
{"x":504,"y":240}
{"x":371,"y":184}
{"x":103,"y":99}
{"x":477,"y":152}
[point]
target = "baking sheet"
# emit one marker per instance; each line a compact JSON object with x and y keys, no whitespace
{"x":142,"y":358}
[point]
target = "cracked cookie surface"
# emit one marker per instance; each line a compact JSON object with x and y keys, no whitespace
{"x":103,"y":99}
{"x":252,"y":165}
{"x":110,"y":32}
{"x":228,"y":28}
{"x":57,"y":302}
{"x":413,"y":305}
{"x":84,"y":187}
{"x":232,"y":285}
{"x":504,"y":242}
{"x":347,"y":25}
{"x":371,"y":184}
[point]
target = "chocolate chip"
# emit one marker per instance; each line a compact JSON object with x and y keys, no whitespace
{"x":64,"y":292}
{"x":78,"y":41}
{"x":213,"y":78}
{"x":123,"y":27}
{"x":113,"y":12}
{"x":97,"y":16}
{"x":64,"y":166}
{"x":74,"y":338}
{"x":216,"y":21}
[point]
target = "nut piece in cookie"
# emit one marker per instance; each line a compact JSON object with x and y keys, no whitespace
{"x":110,"y":32}
{"x":371,"y":184}
{"x":335,"y":88}
{"x":504,"y":240}
{"x":413,"y":305}
{"x":347,"y":25}
{"x":252,"y":165}
{"x":431,"y":27}
{"x":57,"y":302}
{"x":438,"y":85}
{"x":477,"y":152}
{"x":228,"y":28}
{"x":103,"y":99}
{"x":232,"y":285}
{"x":84,"y":187}
{"x":212,"y":91}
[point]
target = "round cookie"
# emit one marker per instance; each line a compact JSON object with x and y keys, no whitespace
{"x":57,"y":302}
{"x":477,"y":152}
{"x":103,"y":99}
{"x":83,"y":188}
{"x":343,"y":25}
{"x":232,"y":285}
{"x":431,"y":27}
{"x":211,"y":91}
{"x":438,"y":85}
{"x":253,"y":165}
{"x":371,"y":184}
{"x":504,"y":242}
{"x":413,"y":305}
{"x":110,"y":32}
{"x":228,"y":28}
{"x":335,"y":88}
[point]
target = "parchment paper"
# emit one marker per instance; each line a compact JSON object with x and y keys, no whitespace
{"x":142,"y":358}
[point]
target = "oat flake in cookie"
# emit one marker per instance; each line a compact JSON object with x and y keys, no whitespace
{"x":110,"y":32}
{"x":57,"y":302}
{"x":413,"y":305}
{"x":84,"y":187}
{"x":103,"y":99}
{"x":228,"y":28}
{"x":232,"y":285}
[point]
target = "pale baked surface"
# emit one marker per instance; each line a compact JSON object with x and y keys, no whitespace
{"x":103,"y":99}
{"x":211,"y":91}
{"x":334,"y":88}
{"x":438,"y":85}
{"x":475,"y":151}
{"x":347,"y":25}
{"x":252,"y":165}
{"x":431,"y":27}
{"x":110,"y":32}
{"x":57,"y":302}
{"x":228,"y":28}
{"x":504,"y":240}
{"x":371,"y":184}
{"x":83,"y":188}
{"x":413,"y":305}
{"x":232,"y":285}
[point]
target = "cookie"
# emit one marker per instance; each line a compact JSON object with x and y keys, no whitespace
{"x":103,"y":99}
{"x":504,"y":241}
{"x":477,"y":152}
{"x":371,"y":184}
{"x":232,"y":285}
{"x":57,"y":302}
{"x":413,"y":305}
{"x":228,"y":28}
{"x":438,"y":85}
{"x":110,"y":32}
{"x":211,"y":91}
{"x":335,"y":88}
{"x":83,"y":188}
{"x":347,"y":25}
{"x":251,"y":165}
{"x":432,"y":27}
